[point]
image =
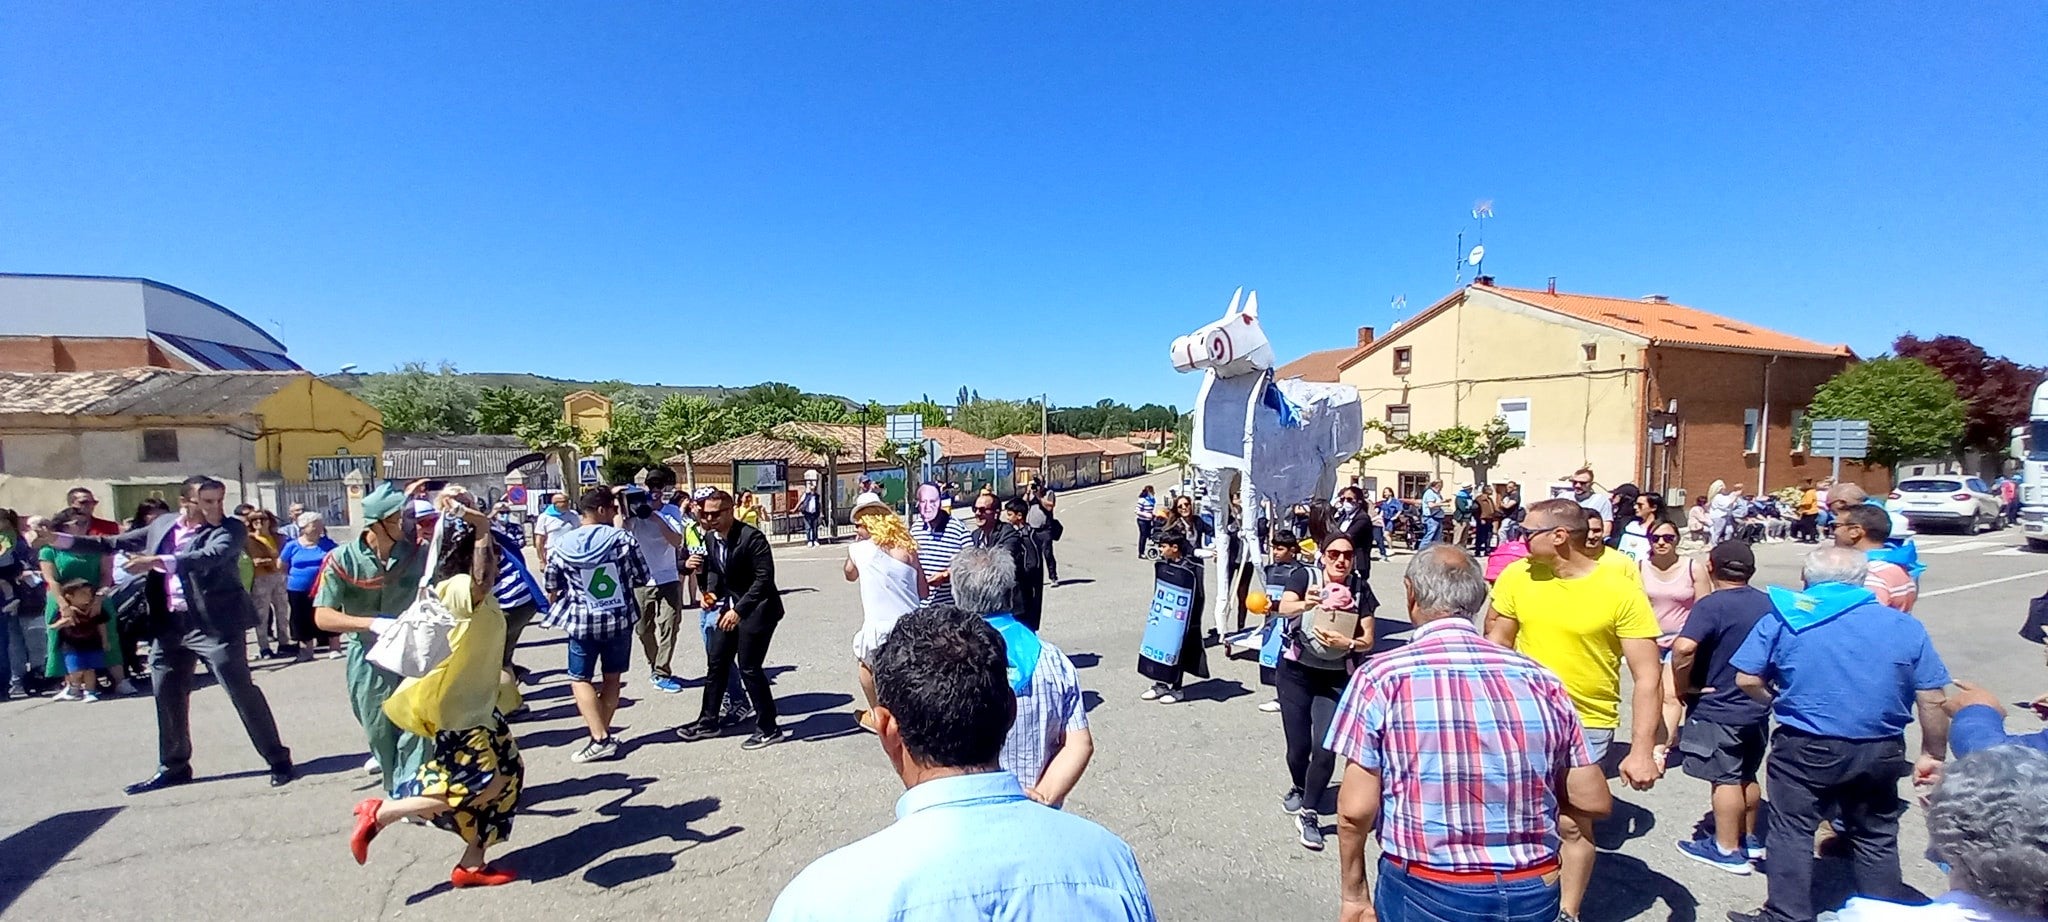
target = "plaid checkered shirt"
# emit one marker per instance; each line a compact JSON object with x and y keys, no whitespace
{"x":1049,"y":709}
{"x":1471,"y":740}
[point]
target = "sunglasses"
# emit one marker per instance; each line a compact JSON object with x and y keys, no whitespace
{"x":1663,"y":539}
{"x":1338,"y":555}
{"x":1582,"y":483}
{"x":984,"y":510}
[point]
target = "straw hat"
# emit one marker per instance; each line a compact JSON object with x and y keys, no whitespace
{"x":867,"y":501}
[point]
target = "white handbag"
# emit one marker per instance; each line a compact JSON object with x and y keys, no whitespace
{"x":417,"y":640}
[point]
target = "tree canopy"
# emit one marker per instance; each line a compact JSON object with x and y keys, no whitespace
{"x":1912,"y":409}
{"x":1998,"y":391}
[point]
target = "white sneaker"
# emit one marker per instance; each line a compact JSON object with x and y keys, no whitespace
{"x":596,"y":751}
{"x":68,"y":694}
{"x":92,"y":696}
{"x":1271,"y":707}
{"x":334,"y":654}
{"x":124,"y":688}
{"x":1152,"y":693}
{"x":370,"y":765}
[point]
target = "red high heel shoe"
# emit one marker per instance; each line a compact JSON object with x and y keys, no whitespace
{"x":485,"y":876}
{"x":366,"y":829}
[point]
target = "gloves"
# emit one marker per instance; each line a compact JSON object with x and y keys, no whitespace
{"x":380,"y":625}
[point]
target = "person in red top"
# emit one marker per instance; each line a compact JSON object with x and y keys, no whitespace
{"x":82,"y":500}
{"x":1866,"y":529}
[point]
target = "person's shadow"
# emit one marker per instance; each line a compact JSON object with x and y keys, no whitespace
{"x":624,"y":826}
{"x":1624,"y":888}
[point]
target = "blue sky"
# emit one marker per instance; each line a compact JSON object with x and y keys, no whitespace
{"x":882,"y":200}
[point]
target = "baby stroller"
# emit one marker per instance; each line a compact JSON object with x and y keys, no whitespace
{"x":1407,"y":528}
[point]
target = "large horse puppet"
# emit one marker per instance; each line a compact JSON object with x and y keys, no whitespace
{"x":1284,"y":439}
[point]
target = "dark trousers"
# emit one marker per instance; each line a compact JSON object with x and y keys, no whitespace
{"x":1814,"y":777}
{"x":1029,"y":605}
{"x":1308,"y":699}
{"x":1144,"y":534}
{"x":1402,"y":897}
{"x":1482,"y":537}
{"x":745,"y":646}
{"x":303,"y":629}
{"x":1808,"y":529}
{"x":810,"y":528}
{"x":172,"y":660}
{"x":1052,"y":567}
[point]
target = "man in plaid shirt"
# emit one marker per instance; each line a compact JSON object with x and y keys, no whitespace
{"x":591,"y":572}
{"x":1459,"y":753}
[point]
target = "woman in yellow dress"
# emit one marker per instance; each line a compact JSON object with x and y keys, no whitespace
{"x":470,"y":784}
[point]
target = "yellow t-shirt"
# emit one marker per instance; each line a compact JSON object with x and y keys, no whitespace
{"x":1621,"y":563}
{"x":1575,"y":627}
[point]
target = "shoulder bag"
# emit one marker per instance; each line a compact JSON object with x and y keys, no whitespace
{"x":418,"y":639}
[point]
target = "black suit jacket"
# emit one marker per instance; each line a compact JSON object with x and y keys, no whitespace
{"x":745,"y":575}
{"x":209,"y":572}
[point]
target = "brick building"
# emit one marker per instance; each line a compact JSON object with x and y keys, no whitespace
{"x":56,"y":323}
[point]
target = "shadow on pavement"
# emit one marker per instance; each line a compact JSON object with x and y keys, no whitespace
{"x":39,"y":847}
{"x":325,"y":765}
{"x":1627,"y":822}
{"x":827,"y":725}
{"x":1085,"y":660}
{"x":1080,"y":581}
{"x":809,"y":702}
{"x":1624,"y":888}
{"x":1215,"y":690}
{"x":624,"y":826}
{"x":1090,"y":700}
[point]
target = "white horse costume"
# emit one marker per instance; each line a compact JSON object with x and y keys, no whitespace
{"x":1286,"y":438}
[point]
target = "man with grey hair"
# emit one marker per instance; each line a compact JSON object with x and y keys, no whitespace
{"x":1840,"y":746}
{"x":1987,"y":820}
{"x":1459,"y":753}
{"x":1049,"y":744}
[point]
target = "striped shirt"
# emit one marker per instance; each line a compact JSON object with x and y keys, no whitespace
{"x":935,"y":553}
{"x":1147,"y":504}
{"x":1049,"y":709}
{"x":1470,"y":740}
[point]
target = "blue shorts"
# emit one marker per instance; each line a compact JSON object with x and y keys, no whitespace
{"x":80,"y":660}
{"x":609,"y":657}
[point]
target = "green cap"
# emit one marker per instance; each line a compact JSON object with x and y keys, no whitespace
{"x":384,"y":501}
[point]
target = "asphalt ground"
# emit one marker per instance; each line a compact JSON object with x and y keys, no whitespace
{"x":707,"y":831}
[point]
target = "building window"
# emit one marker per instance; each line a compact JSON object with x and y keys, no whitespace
{"x":1590,"y":350}
{"x":1516,"y":411}
{"x":1404,"y":360}
{"x":1412,"y":484}
{"x":159,"y":444}
{"x":1397,"y":420}
{"x":1798,"y":436}
{"x":1750,"y":430}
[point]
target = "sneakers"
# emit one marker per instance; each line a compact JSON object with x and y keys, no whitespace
{"x":668,"y":684}
{"x":596,"y":751}
{"x":737,"y":713}
{"x":1753,"y":846}
{"x":1271,"y":707}
{"x":370,"y":766}
{"x":693,"y":732}
{"x":263,"y":653}
{"x":125,"y":688}
{"x":764,"y":740}
{"x":1153,"y":693}
{"x":1706,"y":852}
{"x":91,"y":696}
{"x":1290,"y":802}
{"x":1311,"y":830}
{"x":1170,"y":696}
{"x":334,"y":653}
{"x":68,"y":694}
{"x":305,"y":654}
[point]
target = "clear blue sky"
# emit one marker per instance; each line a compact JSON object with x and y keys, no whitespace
{"x":816,"y":192}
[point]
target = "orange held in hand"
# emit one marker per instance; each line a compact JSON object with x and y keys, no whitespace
{"x":1257,"y":603}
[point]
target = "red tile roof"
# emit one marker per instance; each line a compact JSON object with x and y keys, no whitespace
{"x":958,"y":444}
{"x":1317,"y":366}
{"x":1060,"y":444}
{"x":1115,"y":447}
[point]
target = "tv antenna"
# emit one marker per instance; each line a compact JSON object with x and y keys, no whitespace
{"x":1481,"y":211}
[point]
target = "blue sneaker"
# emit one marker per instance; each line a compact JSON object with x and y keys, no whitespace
{"x":1753,"y":846}
{"x":1706,"y":852}
{"x":668,"y":684}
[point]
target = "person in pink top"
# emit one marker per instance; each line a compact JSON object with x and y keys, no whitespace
{"x":1866,"y":528}
{"x":1673,"y":584}
{"x":1514,"y":546}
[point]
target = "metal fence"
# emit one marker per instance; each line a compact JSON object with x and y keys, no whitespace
{"x":327,"y":497}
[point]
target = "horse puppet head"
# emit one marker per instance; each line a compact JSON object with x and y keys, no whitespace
{"x":1232,"y":346}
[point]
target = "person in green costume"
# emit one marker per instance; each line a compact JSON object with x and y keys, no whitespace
{"x":62,"y":566}
{"x":363,"y":586}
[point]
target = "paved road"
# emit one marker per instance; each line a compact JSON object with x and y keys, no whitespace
{"x":706,"y":831}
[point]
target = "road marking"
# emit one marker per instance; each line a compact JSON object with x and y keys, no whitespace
{"x":1961,"y":547}
{"x":2014,"y":551}
{"x":1979,"y":585}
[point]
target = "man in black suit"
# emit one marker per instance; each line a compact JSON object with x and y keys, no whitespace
{"x":738,"y":571}
{"x":199,"y":610}
{"x":991,"y":531}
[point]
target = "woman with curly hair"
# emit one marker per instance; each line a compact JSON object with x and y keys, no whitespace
{"x":1988,"y":822}
{"x":884,"y":562}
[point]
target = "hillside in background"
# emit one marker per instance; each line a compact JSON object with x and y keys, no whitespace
{"x":356,"y":382}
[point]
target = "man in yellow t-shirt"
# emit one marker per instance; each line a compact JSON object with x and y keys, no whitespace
{"x":1580,"y":618}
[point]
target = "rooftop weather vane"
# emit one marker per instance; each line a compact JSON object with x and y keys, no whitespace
{"x":1481,"y":211}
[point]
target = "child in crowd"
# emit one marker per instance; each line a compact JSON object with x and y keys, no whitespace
{"x":81,"y":639}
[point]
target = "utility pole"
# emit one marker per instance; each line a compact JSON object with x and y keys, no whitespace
{"x":1044,"y":438}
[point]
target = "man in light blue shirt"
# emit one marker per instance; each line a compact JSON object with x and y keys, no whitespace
{"x":967,"y":843}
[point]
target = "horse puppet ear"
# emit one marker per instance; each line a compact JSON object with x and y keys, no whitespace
{"x":1251,"y":305}
{"x":1234,"y":299}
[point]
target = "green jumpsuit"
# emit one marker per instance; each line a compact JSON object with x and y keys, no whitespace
{"x":356,"y":581}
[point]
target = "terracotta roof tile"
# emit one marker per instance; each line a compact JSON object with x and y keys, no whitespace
{"x":958,"y":444}
{"x":1116,"y":447}
{"x":1666,"y":323}
{"x":1060,"y":444}
{"x":140,"y":392}
{"x":1317,"y":366}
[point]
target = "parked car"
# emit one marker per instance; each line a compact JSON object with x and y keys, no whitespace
{"x":1961,"y":502}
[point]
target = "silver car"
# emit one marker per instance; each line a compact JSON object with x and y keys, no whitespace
{"x":1952,"y":500}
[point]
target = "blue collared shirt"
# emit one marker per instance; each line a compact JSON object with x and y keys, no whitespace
{"x":973,"y":847}
{"x":1849,"y":677}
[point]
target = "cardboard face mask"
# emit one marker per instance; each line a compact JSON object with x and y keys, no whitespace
{"x":928,"y":502}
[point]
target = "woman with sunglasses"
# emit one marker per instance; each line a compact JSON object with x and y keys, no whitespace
{"x":1313,"y":669}
{"x":1673,"y":584}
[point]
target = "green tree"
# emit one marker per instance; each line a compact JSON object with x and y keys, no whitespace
{"x":1477,"y":450}
{"x":686,"y":424}
{"x":1176,"y":455}
{"x":413,"y":399}
{"x":934,"y":415}
{"x":907,"y":455}
{"x":822,"y":410}
{"x":992,"y":419}
{"x":1913,"y":411}
{"x":502,"y":410}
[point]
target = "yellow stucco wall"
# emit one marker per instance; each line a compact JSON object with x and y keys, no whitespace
{"x":588,"y":411}
{"x":310,"y":419}
{"x":1484,"y":348}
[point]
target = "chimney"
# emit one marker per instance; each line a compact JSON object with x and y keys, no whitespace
{"x":1483,"y":280}
{"x":1656,"y":299}
{"x":1553,"y":285}
{"x":1364,"y":337}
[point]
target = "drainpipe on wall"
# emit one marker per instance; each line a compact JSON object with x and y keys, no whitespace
{"x":1763,"y":430}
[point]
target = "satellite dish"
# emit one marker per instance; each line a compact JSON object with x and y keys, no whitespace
{"x":1478,"y":253}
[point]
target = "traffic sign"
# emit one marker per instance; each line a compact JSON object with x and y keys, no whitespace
{"x":1839,"y":438}
{"x":338,"y":466}
{"x":996,"y":459}
{"x":906,"y":428}
{"x":586,"y":470}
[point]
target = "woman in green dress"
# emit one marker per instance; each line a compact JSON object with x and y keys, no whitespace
{"x":62,"y":566}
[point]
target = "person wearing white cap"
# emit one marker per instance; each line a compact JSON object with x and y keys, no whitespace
{"x":884,"y":562}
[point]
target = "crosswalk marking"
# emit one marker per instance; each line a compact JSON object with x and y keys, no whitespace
{"x":1960,"y":547}
{"x":2011,"y":552}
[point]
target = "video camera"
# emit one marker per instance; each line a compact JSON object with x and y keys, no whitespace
{"x":639,"y":503}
